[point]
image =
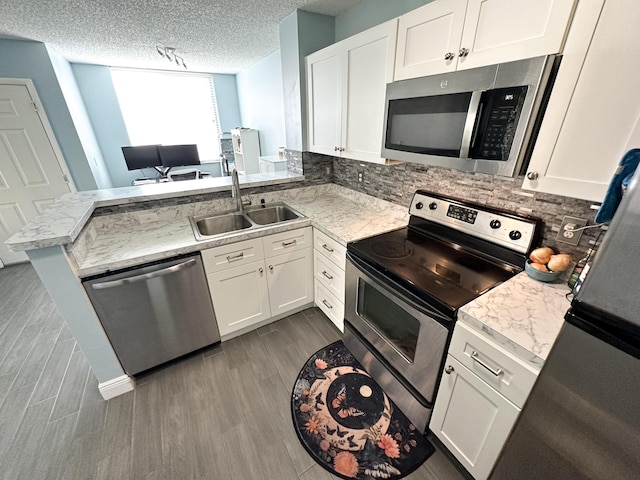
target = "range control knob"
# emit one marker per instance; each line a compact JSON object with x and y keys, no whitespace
{"x":515,"y":235}
{"x":495,"y":224}
{"x":433,"y":206}
{"x":419,"y":205}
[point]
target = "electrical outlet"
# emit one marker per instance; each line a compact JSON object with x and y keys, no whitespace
{"x":361,"y":176}
{"x":147,"y":218}
{"x":570,"y":230}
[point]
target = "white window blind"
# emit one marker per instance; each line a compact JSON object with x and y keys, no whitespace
{"x":169,"y":108}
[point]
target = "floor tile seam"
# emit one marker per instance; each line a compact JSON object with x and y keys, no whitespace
{"x":66,"y":371}
{"x":81,"y":398}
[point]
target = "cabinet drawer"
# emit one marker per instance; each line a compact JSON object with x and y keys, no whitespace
{"x":328,"y":273}
{"x":232,"y":255}
{"x":498,"y":367}
{"x":329,"y":248}
{"x":286,"y":242}
{"x":330,"y":305}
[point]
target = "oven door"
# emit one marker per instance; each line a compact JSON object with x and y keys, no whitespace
{"x":407,"y":336}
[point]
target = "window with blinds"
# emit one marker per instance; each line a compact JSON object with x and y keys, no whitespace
{"x":169,"y":108}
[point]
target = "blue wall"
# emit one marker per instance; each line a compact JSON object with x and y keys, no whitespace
{"x":24,"y":59}
{"x":261,"y":102}
{"x":227,"y":99}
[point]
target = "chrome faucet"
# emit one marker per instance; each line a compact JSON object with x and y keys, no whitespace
{"x":235,"y":190}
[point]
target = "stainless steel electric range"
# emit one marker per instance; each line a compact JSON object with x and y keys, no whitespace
{"x":404,"y":289}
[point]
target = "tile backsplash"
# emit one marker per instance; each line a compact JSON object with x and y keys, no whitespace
{"x":397,"y":184}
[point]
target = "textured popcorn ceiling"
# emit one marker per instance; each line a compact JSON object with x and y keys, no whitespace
{"x":221,"y":36}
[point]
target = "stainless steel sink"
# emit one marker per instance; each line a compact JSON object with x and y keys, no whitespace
{"x":210,"y":225}
{"x":272,"y":214}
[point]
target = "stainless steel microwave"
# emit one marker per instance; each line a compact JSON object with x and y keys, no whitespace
{"x":478,"y":120}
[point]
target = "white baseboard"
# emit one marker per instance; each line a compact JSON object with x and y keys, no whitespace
{"x":116,"y":386}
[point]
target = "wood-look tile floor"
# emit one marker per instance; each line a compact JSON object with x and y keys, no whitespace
{"x":223,"y":413}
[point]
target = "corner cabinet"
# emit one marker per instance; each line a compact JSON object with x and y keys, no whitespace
{"x":593,"y":114}
{"x":257,"y":281}
{"x":481,"y":394}
{"x":346,"y":87}
{"x":448,"y":35}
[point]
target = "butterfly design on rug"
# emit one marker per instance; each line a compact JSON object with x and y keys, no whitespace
{"x":340,"y":404}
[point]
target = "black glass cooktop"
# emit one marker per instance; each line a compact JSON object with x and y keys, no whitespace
{"x":432,"y":268}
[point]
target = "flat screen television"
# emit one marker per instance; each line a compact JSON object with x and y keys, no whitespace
{"x":178,"y":155}
{"x":142,"y":156}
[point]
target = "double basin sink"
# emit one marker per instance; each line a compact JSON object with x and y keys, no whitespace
{"x":210,"y":225}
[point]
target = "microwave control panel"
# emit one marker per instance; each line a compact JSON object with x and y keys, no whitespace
{"x":499,"y":114}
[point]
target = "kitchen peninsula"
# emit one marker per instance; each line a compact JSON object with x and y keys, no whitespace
{"x":87,"y":233}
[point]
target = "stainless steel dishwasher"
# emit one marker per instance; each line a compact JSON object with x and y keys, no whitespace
{"x":155,"y":313}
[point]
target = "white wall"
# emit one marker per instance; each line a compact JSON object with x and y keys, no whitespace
{"x":262,"y":103}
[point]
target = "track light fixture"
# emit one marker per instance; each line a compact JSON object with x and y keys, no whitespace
{"x":170,"y":54}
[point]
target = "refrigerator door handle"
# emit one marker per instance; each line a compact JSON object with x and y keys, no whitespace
{"x":144,"y":276}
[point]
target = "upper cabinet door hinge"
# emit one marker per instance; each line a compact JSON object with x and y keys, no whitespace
{"x":65,"y":178}
{"x":35,"y":107}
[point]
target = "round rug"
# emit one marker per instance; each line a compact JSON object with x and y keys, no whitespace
{"x":348,"y":424}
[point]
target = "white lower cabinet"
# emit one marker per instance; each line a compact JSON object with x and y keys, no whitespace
{"x":328,"y":266}
{"x":482,"y":390}
{"x":256,"y":280}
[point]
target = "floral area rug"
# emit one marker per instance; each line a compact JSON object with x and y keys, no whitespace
{"x":348,"y":424}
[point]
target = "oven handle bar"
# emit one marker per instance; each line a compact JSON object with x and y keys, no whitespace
{"x":383,"y":282}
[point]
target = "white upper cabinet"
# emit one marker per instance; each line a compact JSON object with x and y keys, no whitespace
{"x":448,"y":35}
{"x":593,"y":111}
{"x":346,"y":85}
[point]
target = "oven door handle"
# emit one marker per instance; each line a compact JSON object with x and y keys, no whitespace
{"x":397,"y":290}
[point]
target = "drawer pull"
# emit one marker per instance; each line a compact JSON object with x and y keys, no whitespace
{"x":288,"y":244}
{"x":449,"y":370}
{"x":474,"y":357}
{"x":327,"y":304}
{"x":327,"y":248}
{"x":235,"y":257}
{"x":329,"y":276}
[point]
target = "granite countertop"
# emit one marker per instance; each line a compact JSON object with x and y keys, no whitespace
{"x":63,"y":221}
{"x":343,"y":214}
{"x":522,"y":315}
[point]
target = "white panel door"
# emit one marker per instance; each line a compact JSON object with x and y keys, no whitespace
{"x":31,"y":176}
{"x":429,"y":39}
{"x":290,"y":279}
{"x":323,"y":100}
{"x":369,"y":61}
{"x":505,"y":30}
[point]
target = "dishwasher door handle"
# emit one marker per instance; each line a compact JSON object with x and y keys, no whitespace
{"x":145,"y":276}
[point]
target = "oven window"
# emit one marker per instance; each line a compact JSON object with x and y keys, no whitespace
{"x":389,"y":320}
{"x":431,"y":125}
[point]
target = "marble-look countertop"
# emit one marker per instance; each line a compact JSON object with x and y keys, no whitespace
{"x":522,"y":315}
{"x":62,"y":222}
{"x":341,"y":213}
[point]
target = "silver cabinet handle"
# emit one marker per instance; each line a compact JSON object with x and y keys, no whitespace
{"x":144,"y":276}
{"x":474,"y":357}
{"x":449,"y":370}
{"x":271,"y":267}
{"x":261,"y":270}
{"x":532,"y":175}
{"x":327,"y":248}
{"x":327,"y":304}
{"x":329,"y":276}
{"x":449,"y":56}
{"x":233,"y":258}
{"x":335,"y":149}
{"x":288,"y":244}
{"x":463,"y":52}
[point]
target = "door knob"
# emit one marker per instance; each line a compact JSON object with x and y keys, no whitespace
{"x":532,"y":175}
{"x":449,"y":370}
{"x":463,"y":52}
{"x":449,"y":56}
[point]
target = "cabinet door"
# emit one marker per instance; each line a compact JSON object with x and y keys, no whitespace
{"x":594,"y":106}
{"x":471,"y":419}
{"x":369,"y":61}
{"x":323,"y":100}
{"x":290,"y":280}
{"x":428,"y":34}
{"x":505,"y":30}
{"x":240,"y":296}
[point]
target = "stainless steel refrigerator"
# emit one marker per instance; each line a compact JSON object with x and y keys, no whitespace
{"x":582,"y":419}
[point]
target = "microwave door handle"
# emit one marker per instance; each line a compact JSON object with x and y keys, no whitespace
{"x":473,"y":114}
